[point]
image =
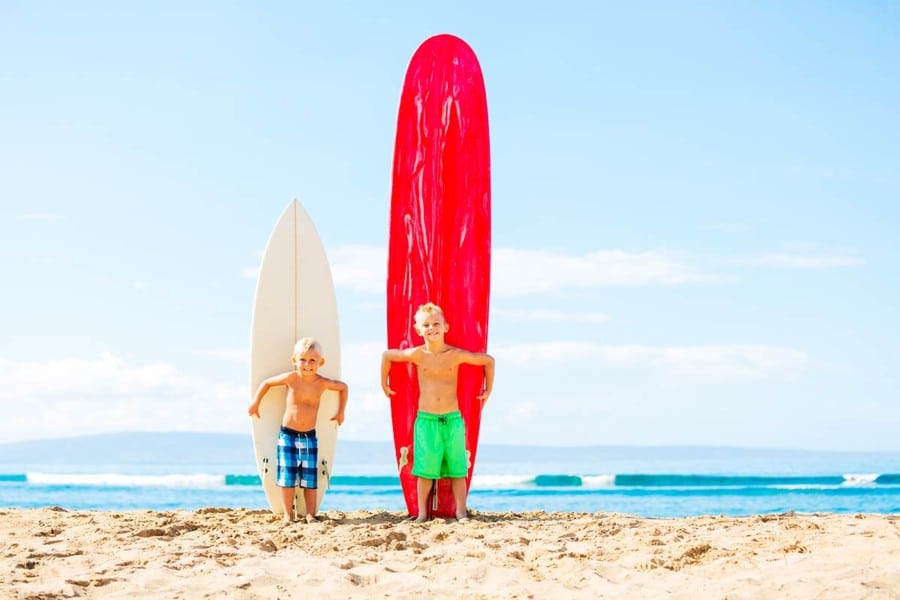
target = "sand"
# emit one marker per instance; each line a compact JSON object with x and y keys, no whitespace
{"x":235,"y":553}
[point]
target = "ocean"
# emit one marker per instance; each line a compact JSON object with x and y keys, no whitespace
{"x":149,"y":471}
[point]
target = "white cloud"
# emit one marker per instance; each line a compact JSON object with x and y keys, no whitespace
{"x":549,"y":315}
{"x":368,"y":415}
{"x":106,"y":394}
{"x":788,"y":260}
{"x":361,"y":363}
{"x":359,"y":268}
{"x":710,"y":363}
{"x":518,"y":272}
{"x":253,"y":272}
{"x":79,"y":396}
{"x":368,"y":409}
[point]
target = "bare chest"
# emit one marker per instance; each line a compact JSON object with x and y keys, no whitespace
{"x":303,"y":393}
{"x":439,"y":368}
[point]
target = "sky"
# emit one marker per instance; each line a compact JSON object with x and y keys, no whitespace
{"x":695,"y":211}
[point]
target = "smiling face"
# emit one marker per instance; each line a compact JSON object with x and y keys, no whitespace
{"x":308,"y":362}
{"x":431,"y":326}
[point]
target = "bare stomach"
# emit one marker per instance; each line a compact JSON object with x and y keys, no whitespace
{"x":299,"y":420}
{"x":440,"y":405}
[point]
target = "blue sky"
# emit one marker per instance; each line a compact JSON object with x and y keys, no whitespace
{"x":695,"y":211}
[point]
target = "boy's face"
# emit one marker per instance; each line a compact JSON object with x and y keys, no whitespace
{"x":308,"y":363}
{"x":431,"y":326}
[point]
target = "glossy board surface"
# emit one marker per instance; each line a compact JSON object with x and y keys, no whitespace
{"x":294,"y":299}
{"x":440,"y":233}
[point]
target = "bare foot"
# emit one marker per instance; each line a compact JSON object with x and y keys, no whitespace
{"x":312,"y":519}
{"x":287,"y":519}
{"x":421,"y":519}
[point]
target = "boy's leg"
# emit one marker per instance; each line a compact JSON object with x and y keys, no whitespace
{"x":458,"y":487}
{"x":457,"y":462}
{"x":287,"y":502}
{"x":423,"y":488}
{"x":286,"y":472}
{"x":427,"y":455}
{"x":309,"y":462}
{"x":310,"y":497}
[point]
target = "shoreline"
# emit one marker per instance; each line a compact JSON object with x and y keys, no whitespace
{"x":222,"y":552}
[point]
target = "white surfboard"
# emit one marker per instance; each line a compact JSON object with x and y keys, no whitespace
{"x":294,"y":299}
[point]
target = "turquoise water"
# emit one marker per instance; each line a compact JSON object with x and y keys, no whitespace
{"x":646,"y":482}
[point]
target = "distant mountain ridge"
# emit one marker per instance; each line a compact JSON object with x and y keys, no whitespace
{"x":237,"y":449}
{"x":177,"y":447}
{"x":133,"y":447}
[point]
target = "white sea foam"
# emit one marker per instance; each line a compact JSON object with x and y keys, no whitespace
{"x":860,"y":478}
{"x":501,"y":482}
{"x":598,"y":481}
{"x":200,"y":480}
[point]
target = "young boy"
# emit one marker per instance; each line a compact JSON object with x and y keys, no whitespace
{"x":439,"y":434}
{"x":297,"y":455}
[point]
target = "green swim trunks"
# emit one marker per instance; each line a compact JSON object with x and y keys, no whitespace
{"x":439,"y":446}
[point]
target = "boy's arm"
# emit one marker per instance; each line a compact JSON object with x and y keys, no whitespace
{"x":480,"y":359}
{"x":341,"y":388}
{"x":392,"y":356}
{"x":487,"y":361}
{"x":262,"y":389}
{"x":488,"y":380}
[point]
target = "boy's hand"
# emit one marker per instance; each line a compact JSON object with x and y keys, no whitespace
{"x":483,"y":397}
{"x":253,"y":410}
{"x":387,"y":390}
{"x":339,"y":417}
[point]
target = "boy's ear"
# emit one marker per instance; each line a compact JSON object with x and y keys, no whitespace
{"x":321,"y":361}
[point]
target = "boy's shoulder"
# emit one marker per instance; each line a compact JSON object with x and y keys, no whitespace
{"x":406,"y":351}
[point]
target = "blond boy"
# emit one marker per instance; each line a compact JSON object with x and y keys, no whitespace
{"x":439,"y":435}
{"x":297,"y":455}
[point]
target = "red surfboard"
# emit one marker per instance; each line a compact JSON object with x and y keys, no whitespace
{"x":440,"y":235}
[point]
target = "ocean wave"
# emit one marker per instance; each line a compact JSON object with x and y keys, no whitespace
{"x":861,"y":478}
{"x":197,"y":480}
{"x":479,"y":482}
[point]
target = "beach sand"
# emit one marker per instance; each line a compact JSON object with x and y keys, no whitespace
{"x":236,"y":553}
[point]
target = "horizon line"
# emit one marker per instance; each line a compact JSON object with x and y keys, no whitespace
{"x":249,"y":436}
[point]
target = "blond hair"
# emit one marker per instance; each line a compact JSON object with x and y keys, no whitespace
{"x":305,"y":345}
{"x":430,"y":308}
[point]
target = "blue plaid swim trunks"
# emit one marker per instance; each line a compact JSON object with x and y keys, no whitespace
{"x":297,"y":458}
